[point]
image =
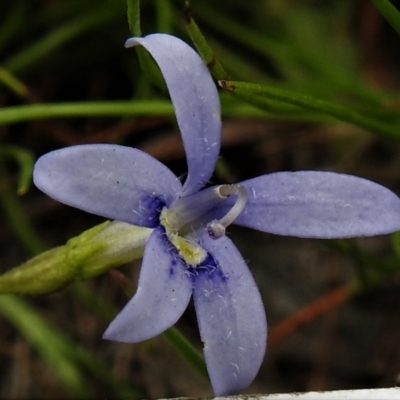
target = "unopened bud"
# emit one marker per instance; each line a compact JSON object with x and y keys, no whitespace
{"x":92,"y":253}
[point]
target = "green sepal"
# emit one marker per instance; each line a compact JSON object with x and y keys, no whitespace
{"x":41,"y":274}
{"x":121,"y":243}
{"x":80,"y":249}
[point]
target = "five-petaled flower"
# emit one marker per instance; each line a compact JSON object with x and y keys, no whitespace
{"x":186,"y":252}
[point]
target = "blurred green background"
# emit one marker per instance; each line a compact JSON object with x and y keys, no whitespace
{"x":65,"y":78}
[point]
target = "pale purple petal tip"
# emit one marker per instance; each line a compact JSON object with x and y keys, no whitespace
{"x":318,"y":205}
{"x":196,"y":103}
{"x":231,"y":317}
{"x":162,"y":296}
{"x":113,"y":181}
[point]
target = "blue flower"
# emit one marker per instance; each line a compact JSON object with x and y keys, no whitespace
{"x":186,"y":252}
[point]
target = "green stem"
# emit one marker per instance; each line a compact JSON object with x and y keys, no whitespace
{"x":125,"y":108}
{"x":164,"y":16}
{"x":53,"y":40}
{"x":327,"y":107}
{"x":390,"y":12}
{"x":13,"y":210}
{"x":147,"y":64}
{"x":14,"y":84}
{"x":25,"y":161}
{"x":133,"y":14}
{"x":206,"y":52}
{"x":47,"y":342}
{"x":66,"y":358}
{"x":175,"y":338}
{"x":12,"y":22}
{"x":287,"y":53}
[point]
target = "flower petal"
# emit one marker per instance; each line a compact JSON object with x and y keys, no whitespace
{"x":195,"y":98}
{"x":318,"y":205}
{"x":163,"y":293}
{"x":231,"y":316}
{"x":113,"y":181}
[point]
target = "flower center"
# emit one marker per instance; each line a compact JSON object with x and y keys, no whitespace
{"x":189,"y":213}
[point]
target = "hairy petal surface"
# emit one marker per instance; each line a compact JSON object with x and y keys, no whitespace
{"x":196,"y":102}
{"x":113,"y":181}
{"x":231,"y":316}
{"x":318,"y":205}
{"x":163,"y":293}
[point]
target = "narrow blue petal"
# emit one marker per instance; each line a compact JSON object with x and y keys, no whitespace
{"x":113,"y":181}
{"x":318,"y":205}
{"x":163,"y":293}
{"x":231,"y":316}
{"x":195,"y":98}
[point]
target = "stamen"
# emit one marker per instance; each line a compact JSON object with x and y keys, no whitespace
{"x":241,"y":192}
{"x":217,"y":228}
